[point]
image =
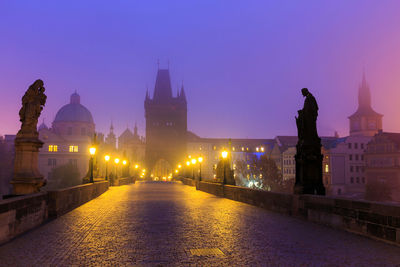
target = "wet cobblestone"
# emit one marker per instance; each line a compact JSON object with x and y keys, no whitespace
{"x":157,"y":224}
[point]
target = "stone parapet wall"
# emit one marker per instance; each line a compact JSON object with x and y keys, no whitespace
{"x":64,"y":200}
{"x":372,"y":219}
{"x":123,"y":181}
{"x":20,"y":214}
{"x":189,"y":181}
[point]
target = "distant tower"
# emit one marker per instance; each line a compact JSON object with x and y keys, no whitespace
{"x":365,"y":121}
{"x":166,"y":127}
{"x":111,"y":139}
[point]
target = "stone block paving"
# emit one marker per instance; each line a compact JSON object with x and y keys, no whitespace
{"x":169,"y":224}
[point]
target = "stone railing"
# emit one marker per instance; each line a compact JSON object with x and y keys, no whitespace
{"x":372,"y":219}
{"x":20,"y":214}
{"x":64,"y":200}
{"x":123,"y":181}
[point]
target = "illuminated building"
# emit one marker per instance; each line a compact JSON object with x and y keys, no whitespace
{"x":68,"y":140}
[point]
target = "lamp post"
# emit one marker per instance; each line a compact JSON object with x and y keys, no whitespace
{"x":193,"y":163}
{"x":92,"y":151}
{"x":224,"y":157}
{"x":107,"y":159}
{"x":124,"y":172}
{"x":200,"y":159}
{"x":116,"y":167}
{"x":187,"y":170}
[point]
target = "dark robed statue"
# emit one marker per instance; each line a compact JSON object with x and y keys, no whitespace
{"x":32,"y":105}
{"x":27,"y":178}
{"x":308,"y":155}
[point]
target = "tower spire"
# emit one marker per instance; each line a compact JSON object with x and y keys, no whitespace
{"x":182,"y":95}
{"x":364,"y":94}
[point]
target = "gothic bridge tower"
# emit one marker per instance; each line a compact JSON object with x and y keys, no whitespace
{"x":166,"y":127}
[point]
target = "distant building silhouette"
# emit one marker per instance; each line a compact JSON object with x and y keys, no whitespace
{"x":166,"y":127}
{"x":365,"y":121}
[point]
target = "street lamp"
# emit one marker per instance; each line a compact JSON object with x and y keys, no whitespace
{"x":116,"y":160}
{"x":193,"y":163}
{"x":92,"y":151}
{"x":107,"y":159}
{"x":200,"y":159}
{"x":224,"y":157}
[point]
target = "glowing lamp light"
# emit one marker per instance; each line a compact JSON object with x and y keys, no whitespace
{"x":124,"y":162}
{"x":224,"y":154}
{"x":176,"y":171}
{"x":144,"y":170}
{"x":200,"y":159}
{"x":179,"y":166}
{"x":116,"y":160}
{"x":194,"y":161}
{"x":92,"y":150}
{"x":136,"y":166}
{"x":107,"y":157}
{"x":187,"y":163}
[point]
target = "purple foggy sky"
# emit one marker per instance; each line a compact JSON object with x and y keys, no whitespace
{"x":243,"y":63}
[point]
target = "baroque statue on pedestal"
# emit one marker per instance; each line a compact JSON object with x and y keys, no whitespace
{"x":308,"y":149}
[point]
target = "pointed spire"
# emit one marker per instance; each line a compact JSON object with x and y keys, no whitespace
{"x":182,"y":94}
{"x":364,"y":94}
{"x":177,"y":91}
{"x":162,"y":89}
{"x":112,"y":127}
{"x":135,"y":130}
{"x":147,"y":93}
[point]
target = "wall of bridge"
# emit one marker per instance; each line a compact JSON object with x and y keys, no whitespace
{"x":372,"y":219}
{"x":20,"y":214}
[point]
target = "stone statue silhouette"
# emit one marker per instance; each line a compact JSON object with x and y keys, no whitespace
{"x":308,"y":149}
{"x":32,"y":105}
{"x":307,"y":118}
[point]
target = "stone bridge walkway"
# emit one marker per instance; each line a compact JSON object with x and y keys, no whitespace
{"x":169,"y":224}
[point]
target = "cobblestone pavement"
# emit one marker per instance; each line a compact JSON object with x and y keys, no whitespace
{"x":165,"y":224}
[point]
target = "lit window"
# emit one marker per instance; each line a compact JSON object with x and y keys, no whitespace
{"x":234,"y":166}
{"x":262,"y":149}
{"x":257,"y":149}
{"x":215,"y":147}
{"x":73,"y":149}
{"x":242,"y":148}
{"x":53,"y":148}
{"x":247,"y":148}
{"x":326,"y":168}
{"x":248,"y":166}
{"x":233,"y":148}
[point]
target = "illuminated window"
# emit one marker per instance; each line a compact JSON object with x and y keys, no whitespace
{"x":73,"y":149}
{"x":53,"y":148}
{"x":234,"y":166}
{"x":215,"y":147}
{"x":262,"y":149}
{"x":242,"y":148}
{"x":326,"y":168}
{"x":247,"y":148}
{"x":248,"y":166}
{"x":233,"y":148}
{"x":257,"y":149}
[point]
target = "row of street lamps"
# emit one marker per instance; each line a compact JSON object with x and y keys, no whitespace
{"x":107,"y":158}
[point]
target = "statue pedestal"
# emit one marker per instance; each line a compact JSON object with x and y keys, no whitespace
{"x":27,"y":179}
{"x":309,"y":168}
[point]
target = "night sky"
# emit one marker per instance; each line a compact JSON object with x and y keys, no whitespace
{"x":242,"y":63}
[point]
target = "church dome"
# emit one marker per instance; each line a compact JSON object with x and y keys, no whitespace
{"x":74,"y":112}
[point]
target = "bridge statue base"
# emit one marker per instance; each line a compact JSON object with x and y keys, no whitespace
{"x":27,"y":178}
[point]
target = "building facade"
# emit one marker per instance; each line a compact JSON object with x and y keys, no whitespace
{"x":382,"y":159}
{"x":166,"y":127}
{"x":68,"y":140}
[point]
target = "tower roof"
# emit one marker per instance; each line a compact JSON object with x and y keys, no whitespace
{"x":364,"y":101}
{"x":162,"y":89}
